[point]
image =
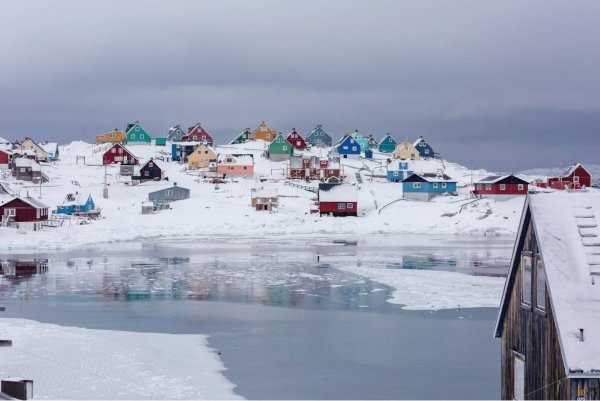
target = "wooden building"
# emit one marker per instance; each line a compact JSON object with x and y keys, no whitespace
{"x":501,"y":186}
{"x":313,"y":168}
{"x":136,"y":134}
{"x":296,"y":140}
{"x":425,"y":150}
{"x":575,"y":177}
{"x":40,"y":153}
{"x":231,"y":165}
{"x":338,"y":200}
{"x":26,"y":169}
{"x":202,"y":157}
{"x":175,"y":133}
{"x":264,"y":133}
{"x":424,"y":187}
{"x":280,"y":149}
{"x":243,"y":137}
{"x":150,"y":171}
{"x":198,"y":134}
{"x":170,"y":194}
{"x":361,"y":140}
{"x":346,"y":148}
{"x":373,"y":143}
{"x":114,"y":136}
{"x":119,"y":154}
{"x":549,"y":319}
{"x":406,"y":150}
{"x":6,"y":156}
{"x":24,"y":213}
{"x":318,"y":137}
{"x":264,"y":199}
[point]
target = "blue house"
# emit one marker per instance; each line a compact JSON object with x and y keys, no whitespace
{"x":424,"y":187}
{"x":73,"y":204}
{"x":318,"y":137}
{"x":175,"y":133}
{"x":398,"y":170}
{"x":347,"y":148}
{"x":425,"y":150}
{"x":387,"y":144}
{"x":180,"y":151}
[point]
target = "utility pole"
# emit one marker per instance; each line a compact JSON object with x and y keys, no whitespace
{"x":105,"y":189}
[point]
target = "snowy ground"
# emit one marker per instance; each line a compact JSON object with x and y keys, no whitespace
{"x":76,"y":363}
{"x":226,"y":211}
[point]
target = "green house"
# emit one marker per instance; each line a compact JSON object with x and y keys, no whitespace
{"x":245,"y":136}
{"x":387,"y":144}
{"x":360,"y":139}
{"x":160,"y":142}
{"x":136,"y":134}
{"x":280,"y":149}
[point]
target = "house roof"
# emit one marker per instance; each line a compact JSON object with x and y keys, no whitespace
{"x":385,"y":137}
{"x":428,"y":177}
{"x":339,"y":193}
{"x":318,"y":128}
{"x":121,"y":145}
{"x":419,"y":139}
{"x":239,"y":159}
{"x":572,"y":168}
{"x":568,"y":237}
{"x":165,"y":189}
{"x":26,"y":162}
{"x":264,"y":193}
{"x":50,"y":147}
{"x":33,"y":203}
{"x":493,"y":179}
{"x":36,"y":145}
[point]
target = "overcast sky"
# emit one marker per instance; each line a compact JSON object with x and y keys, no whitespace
{"x":499,"y":85}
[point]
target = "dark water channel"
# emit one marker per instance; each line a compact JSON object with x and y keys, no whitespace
{"x":288,"y":323}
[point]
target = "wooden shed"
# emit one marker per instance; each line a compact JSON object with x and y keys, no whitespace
{"x":24,"y":213}
{"x":575,"y":177}
{"x":501,"y":186}
{"x":170,"y":194}
{"x":338,"y":200}
{"x":264,"y":199}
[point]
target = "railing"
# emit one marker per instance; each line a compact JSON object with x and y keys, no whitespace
{"x":300,"y":186}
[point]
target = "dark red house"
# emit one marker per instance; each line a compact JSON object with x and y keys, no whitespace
{"x":338,"y":200}
{"x":576,"y":177}
{"x":198,"y":134}
{"x":501,"y":185}
{"x":25,"y":213}
{"x":5,"y":157}
{"x":118,"y":154}
{"x":296,"y":140}
{"x":313,"y":168}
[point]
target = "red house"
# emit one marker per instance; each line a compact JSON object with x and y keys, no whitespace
{"x":313,"y":168}
{"x":296,"y":140}
{"x":5,"y":157}
{"x":338,"y":200}
{"x":24,"y":213}
{"x":504,"y":185}
{"x":197,"y":134}
{"x":576,"y":177}
{"x":118,"y":154}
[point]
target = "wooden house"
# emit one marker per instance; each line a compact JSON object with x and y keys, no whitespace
{"x":119,"y":154}
{"x":114,"y":136}
{"x":198,"y":134}
{"x":338,"y":200}
{"x":424,"y":187}
{"x":202,"y":156}
{"x":501,"y":186}
{"x":51,"y":149}
{"x":231,"y":165}
{"x":180,"y":151}
{"x":136,"y":134}
{"x":313,"y":168}
{"x":387,"y":144}
{"x":575,"y":177}
{"x":346,"y":148}
{"x":150,"y":171}
{"x":264,"y":133}
{"x":24,"y":213}
{"x":399,"y":169}
{"x":406,"y":150}
{"x":6,"y":156}
{"x":361,"y":140}
{"x":74,"y":204}
{"x":296,"y":140}
{"x":425,"y":150}
{"x":548,"y":319}
{"x":175,"y":133}
{"x":280,"y":149}
{"x":243,"y":137}
{"x":373,"y":144}
{"x":160,"y":141}
{"x":40,"y":153}
{"x":170,"y":194}
{"x":318,"y":137}
{"x":26,"y":169}
{"x":264,"y":199}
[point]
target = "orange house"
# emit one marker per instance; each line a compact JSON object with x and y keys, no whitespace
{"x":264,"y":132}
{"x":235,"y":165}
{"x":115,"y":136}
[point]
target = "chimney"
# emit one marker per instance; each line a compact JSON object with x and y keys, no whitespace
{"x":581,"y":335}
{"x":319,"y":126}
{"x":174,"y":184}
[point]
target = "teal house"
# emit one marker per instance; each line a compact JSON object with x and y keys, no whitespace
{"x":175,"y":133}
{"x":424,"y":149}
{"x":372,"y":142}
{"x":318,"y":137}
{"x":361,"y":140}
{"x":280,"y":149}
{"x":245,"y":136}
{"x":424,"y":187}
{"x":136,"y":134}
{"x":387,"y":144}
{"x":74,"y":204}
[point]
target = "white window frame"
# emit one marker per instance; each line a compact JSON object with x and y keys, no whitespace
{"x":395,"y":174}
{"x":349,"y":205}
{"x":488,"y":186}
{"x":169,"y":192}
{"x":502,"y":187}
{"x":354,"y":148}
{"x":341,"y":206}
{"x":576,"y":179}
{"x":284,"y":147}
{"x":435,"y":184}
{"x":137,"y":129}
{"x":540,"y":283}
{"x":416,"y":185}
{"x":443,"y":185}
{"x":520,"y":187}
{"x":526,"y":277}
{"x":12,"y":212}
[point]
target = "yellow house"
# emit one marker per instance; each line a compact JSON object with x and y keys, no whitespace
{"x":202,"y":156}
{"x":264,"y":132}
{"x":406,"y":150}
{"x":115,"y":136}
{"x":30,"y":144}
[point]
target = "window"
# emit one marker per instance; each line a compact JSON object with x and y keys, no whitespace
{"x":10,"y":212}
{"x":169,"y":192}
{"x":416,"y":185}
{"x":112,"y":135}
{"x":435,"y":184}
{"x":576,"y":179}
{"x":395,"y":174}
{"x":426,"y":151}
{"x":23,"y":169}
{"x":141,"y":136}
{"x":488,"y":186}
{"x":245,"y":167}
{"x":354,"y":148}
{"x":502,"y":187}
{"x":341,"y":206}
{"x":540,"y":297}
{"x":520,"y":187}
{"x":526,"y":268}
{"x":37,"y":213}
{"x":349,"y":205}
{"x":443,"y":185}
{"x":120,"y":150}
{"x":263,"y":128}
{"x":345,"y":147}
{"x":479,"y":186}
{"x":204,"y":137}
{"x":284,"y":148}
{"x":298,"y":143}
{"x":137,"y":129}
{"x":519,"y":378}
{"x":113,"y":150}
{"x":146,"y":174}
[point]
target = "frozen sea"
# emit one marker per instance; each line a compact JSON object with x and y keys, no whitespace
{"x":289,"y":318}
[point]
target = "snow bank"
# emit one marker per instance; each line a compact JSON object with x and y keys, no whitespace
{"x":76,"y":363}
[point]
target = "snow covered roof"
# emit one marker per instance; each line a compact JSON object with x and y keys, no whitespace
{"x":419,"y":139}
{"x":25,"y":162}
{"x":264,"y":192}
{"x":492,"y":179}
{"x":240,"y":160}
{"x":33,"y":203}
{"x":429,"y":177}
{"x":568,"y":237}
{"x":385,"y":137}
{"x":50,"y":147}
{"x":339,"y":193}
{"x":418,"y":166}
{"x":572,"y":168}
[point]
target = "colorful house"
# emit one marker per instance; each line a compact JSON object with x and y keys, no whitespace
{"x":362,"y":141}
{"x":387,"y":144}
{"x":548,"y":316}
{"x":136,"y":134}
{"x":198,"y":134}
{"x":175,"y":133}
{"x":114,"y":136}
{"x":346,"y":148}
{"x":244,"y":137}
{"x":235,"y":165}
{"x":313,"y":168}
{"x":202,"y":156}
{"x":280,"y":149}
{"x":264,"y":199}
{"x":160,"y":141}
{"x":119,"y":154}
{"x":24,"y":213}
{"x":170,"y":194}
{"x":575,"y":177}
{"x":25,"y":169}
{"x":296,"y":140}
{"x":406,"y":150}
{"x":150,"y":171}
{"x":30,"y":145}
{"x":501,"y":186}
{"x":318,"y":137}
{"x":425,"y":150}
{"x":51,"y":149}
{"x":264,"y":132}
{"x":338,"y":200}
{"x":6,"y":156}
{"x":180,"y":151}
{"x":373,"y":144}
{"x":74,"y":204}
{"x":424,"y":187}
{"x":399,"y":169}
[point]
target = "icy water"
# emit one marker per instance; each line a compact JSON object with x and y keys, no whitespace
{"x":287,"y":322}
